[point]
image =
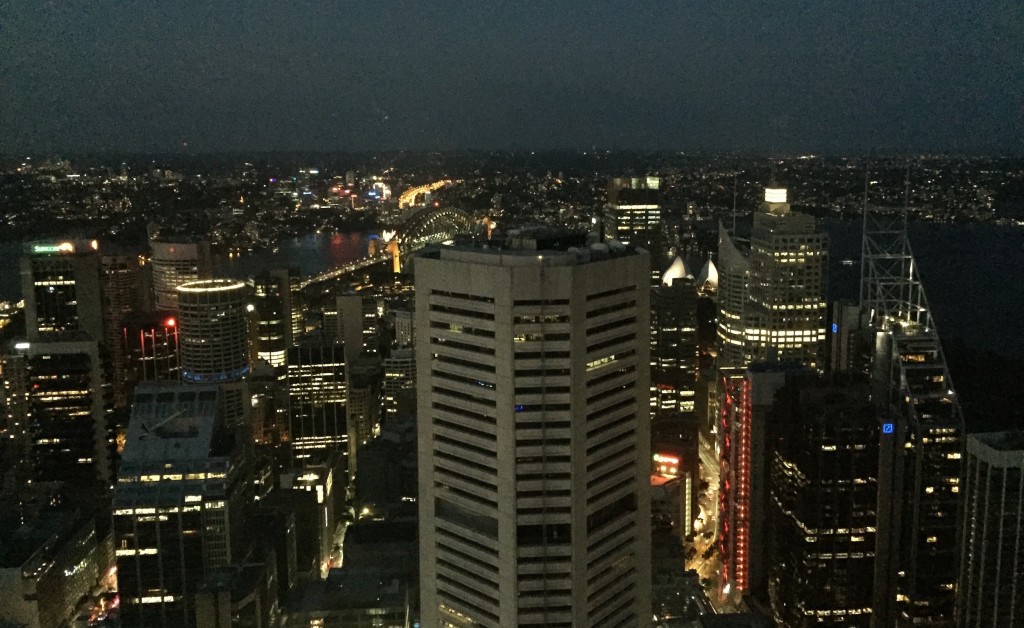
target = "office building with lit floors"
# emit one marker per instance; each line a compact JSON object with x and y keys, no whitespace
{"x":991,"y":586}
{"x":272,"y":317}
{"x":823,"y":501}
{"x":62,"y":287}
{"x":771,"y":288}
{"x":534,"y":463}
{"x":59,"y":401}
{"x":674,"y":342}
{"x":179,"y":503}
{"x":174,"y":262}
{"x":213,"y":335}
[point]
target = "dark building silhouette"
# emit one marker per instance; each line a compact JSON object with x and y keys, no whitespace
{"x":822,"y":503}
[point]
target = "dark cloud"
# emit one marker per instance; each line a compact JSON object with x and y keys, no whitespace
{"x":768,"y":76}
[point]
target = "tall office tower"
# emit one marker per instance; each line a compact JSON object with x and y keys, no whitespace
{"x":213,"y":330}
{"x":150,"y":344}
{"x":290,"y":282}
{"x":365,"y":401}
{"x":633,"y":216}
{"x":673,"y":342}
{"x":358,"y":324}
{"x":634,"y":207}
{"x":743,"y":434}
{"x":62,"y":287}
{"x":920,"y":462}
{"x":534,"y":456}
{"x":772,"y":296}
{"x":272,"y":318}
{"x":17,"y":408}
{"x":824,"y":492}
{"x":64,"y":409}
{"x":214,"y":333}
{"x":405,"y":331}
{"x":122,"y":287}
{"x":349,"y":324}
{"x":399,"y":375}
{"x":173,"y":263}
{"x":991,"y":587}
{"x":316,"y":400}
{"x":180,"y":501}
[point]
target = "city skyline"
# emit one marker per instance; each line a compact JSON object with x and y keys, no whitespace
{"x":791,"y":77}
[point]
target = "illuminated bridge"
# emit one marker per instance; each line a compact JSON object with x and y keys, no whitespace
{"x":410,"y":196}
{"x":429,"y":225}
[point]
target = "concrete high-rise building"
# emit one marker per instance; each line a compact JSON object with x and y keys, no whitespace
{"x":824,"y":491}
{"x":991,"y":587}
{"x":62,"y":287}
{"x":122,"y":289}
{"x":771,"y":290}
{"x":213,"y":330}
{"x":633,"y":216}
{"x":365,"y":376}
{"x":534,"y":452}
{"x":174,"y":263}
{"x":399,"y":375}
{"x":63,"y":411}
{"x":214,"y":334}
{"x":183,"y":487}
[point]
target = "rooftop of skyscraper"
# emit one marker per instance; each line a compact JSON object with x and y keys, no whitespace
{"x":173,"y":422}
{"x":553,"y":246}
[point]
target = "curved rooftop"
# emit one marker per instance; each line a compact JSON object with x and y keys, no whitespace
{"x":677,"y":270}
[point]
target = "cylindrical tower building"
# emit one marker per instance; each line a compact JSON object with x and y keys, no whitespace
{"x":212,"y":324}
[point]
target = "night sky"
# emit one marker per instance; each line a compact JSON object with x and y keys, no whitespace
{"x":774,"y":77}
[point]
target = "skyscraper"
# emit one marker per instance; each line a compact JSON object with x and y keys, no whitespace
{"x":633,"y":216}
{"x":824,"y":490}
{"x":213,"y":330}
{"x":673,"y":342}
{"x":150,"y":344}
{"x":62,"y":288}
{"x":182,"y":490}
{"x":634,"y":207}
{"x":316,"y":399}
{"x":991,"y":588}
{"x":272,"y":318}
{"x":920,"y":464}
{"x":64,"y":409}
{"x":772,"y":295}
{"x":174,"y":262}
{"x":533,"y":433}
{"x":214,"y":339}
{"x":122,"y":288}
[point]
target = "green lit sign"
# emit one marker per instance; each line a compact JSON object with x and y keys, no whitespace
{"x":62,"y":247}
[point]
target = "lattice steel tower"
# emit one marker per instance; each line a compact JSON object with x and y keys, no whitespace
{"x":922,"y":433}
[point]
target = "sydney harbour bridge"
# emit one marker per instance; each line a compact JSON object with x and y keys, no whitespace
{"x":427,"y":225}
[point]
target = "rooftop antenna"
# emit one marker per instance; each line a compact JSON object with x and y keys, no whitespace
{"x":864,"y":231}
{"x":735,"y":177}
{"x":906,"y":190}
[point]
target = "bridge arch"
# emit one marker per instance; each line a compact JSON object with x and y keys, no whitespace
{"x":429,"y":225}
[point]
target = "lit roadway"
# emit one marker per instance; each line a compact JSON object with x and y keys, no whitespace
{"x":345,"y":269}
{"x":408,"y":197}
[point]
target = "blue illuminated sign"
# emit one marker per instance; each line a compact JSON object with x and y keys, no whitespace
{"x":887,"y":428}
{"x":835,"y":328}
